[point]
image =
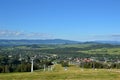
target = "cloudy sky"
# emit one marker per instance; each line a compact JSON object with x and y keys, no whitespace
{"x":80,"y":20}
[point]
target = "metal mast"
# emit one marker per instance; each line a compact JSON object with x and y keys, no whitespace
{"x":32,"y":64}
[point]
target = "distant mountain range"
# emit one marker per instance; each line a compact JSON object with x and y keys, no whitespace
{"x":29,"y":42}
{"x":50,"y":41}
{"x":109,"y":42}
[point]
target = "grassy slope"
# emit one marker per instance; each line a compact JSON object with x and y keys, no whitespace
{"x":73,"y":73}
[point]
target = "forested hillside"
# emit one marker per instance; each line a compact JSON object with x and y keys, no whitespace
{"x":17,"y":58}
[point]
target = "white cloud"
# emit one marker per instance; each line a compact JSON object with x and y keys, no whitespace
{"x":23,"y":35}
{"x":115,"y":37}
{"x":110,"y":37}
{"x":10,"y":33}
{"x":39,"y":35}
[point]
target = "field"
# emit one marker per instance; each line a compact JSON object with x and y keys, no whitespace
{"x":73,"y":73}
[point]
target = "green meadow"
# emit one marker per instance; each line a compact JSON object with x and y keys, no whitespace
{"x":73,"y":73}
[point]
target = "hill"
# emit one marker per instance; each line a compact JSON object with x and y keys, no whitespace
{"x":109,"y":42}
{"x":29,"y":42}
{"x":5,"y":42}
{"x":73,"y":73}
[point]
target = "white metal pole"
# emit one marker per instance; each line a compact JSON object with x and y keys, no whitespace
{"x":32,"y":65}
{"x":44,"y":67}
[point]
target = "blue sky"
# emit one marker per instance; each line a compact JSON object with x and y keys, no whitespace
{"x":80,"y":20}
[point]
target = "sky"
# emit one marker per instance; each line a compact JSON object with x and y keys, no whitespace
{"x":79,"y":20}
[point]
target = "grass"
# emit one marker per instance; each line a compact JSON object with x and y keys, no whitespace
{"x":73,"y":73}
